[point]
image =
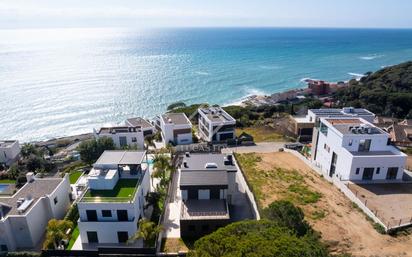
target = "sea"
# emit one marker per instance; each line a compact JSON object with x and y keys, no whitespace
{"x":62,"y":82}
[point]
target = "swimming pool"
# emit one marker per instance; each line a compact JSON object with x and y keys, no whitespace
{"x":4,"y":188}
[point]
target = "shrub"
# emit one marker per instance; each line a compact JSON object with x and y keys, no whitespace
{"x":73,"y":214}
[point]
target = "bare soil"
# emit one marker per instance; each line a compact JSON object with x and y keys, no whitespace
{"x":342,"y":226}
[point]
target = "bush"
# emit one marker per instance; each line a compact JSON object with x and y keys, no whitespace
{"x":176,"y":105}
{"x":91,"y":150}
{"x":285,"y":214}
{"x":21,"y":180}
{"x":73,"y":214}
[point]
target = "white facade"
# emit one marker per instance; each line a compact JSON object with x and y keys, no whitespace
{"x":9,"y":151}
{"x":175,"y":128}
{"x":216,"y":125}
{"x":123,"y":136}
{"x":26,"y":229}
{"x":112,"y":220}
{"x":356,"y":150}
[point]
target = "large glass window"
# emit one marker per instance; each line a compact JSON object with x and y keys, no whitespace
{"x":92,"y":237}
{"x":364,"y":145}
{"x":392,"y":173}
{"x":324,"y":129}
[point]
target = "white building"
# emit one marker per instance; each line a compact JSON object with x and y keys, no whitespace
{"x":9,"y":151}
{"x":356,"y":150}
{"x":123,"y":136}
{"x":112,"y":206}
{"x":175,"y":128}
{"x":303,"y":126}
{"x":147,"y":128}
{"x":216,"y":125}
{"x":25,"y":214}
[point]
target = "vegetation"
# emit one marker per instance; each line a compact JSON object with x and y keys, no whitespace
{"x":124,"y":188}
{"x":56,"y":232}
{"x":261,"y":134}
{"x":162,"y":168}
{"x":176,"y":105}
{"x":148,"y":231}
{"x":73,"y":238}
{"x":257,"y":238}
{"x":387,"y":92}
{"x":91,"y":150}
{"x":74,"y":176}
{"x":73,"y":214}
{"x":7,"y":181}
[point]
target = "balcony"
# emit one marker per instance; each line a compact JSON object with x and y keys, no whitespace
{"x":204,"y":210}
{"x":124,"y":192}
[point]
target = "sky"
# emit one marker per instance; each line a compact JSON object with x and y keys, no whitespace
{"x":206,"y":13}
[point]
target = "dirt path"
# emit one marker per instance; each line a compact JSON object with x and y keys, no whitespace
{"x":344,"y":227}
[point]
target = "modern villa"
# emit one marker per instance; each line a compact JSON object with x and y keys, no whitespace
{"x":353,"y":149}
{"x":175,"y":128}
{"x":303,"y":126}
{"x":24,"y":215}
{"x":147,"y":128}
{"x":9,"y":151}
{"x":216,"y":125}
{"x":123,"y":136}
{"x":206,"y":185}
{"x":113,"y":203}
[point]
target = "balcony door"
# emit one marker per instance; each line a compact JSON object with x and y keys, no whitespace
{"x":368,"y":173}
{"x":333,"y":164}
{"x":392,"y":173}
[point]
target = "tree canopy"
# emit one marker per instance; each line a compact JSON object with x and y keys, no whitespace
{"x":386,"y":92}
{"x":91,"y":150}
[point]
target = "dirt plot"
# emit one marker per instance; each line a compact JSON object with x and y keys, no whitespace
{"x":391,"y":202}
{"x":343,"y":226}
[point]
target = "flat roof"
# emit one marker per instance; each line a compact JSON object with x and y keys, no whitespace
{"x":33,"y":190}
{"x":197,"y":162}
{"x":204,"y":178}
{"x":139,"y":122}
{"x":354,"y":126}
{"x":7,"y":143}
{"x":216,"y":114}
{"x":176,"y":118}
{"x":372,"y":153}
{"x":204,"y":209}
{"x":121,"y":157}
{"x":119,"y":129}
{"x":347,"y":111}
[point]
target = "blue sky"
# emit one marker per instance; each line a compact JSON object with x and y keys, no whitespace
{"x":206,"y":13}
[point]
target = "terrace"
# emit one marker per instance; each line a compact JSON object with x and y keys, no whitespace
{"x":124,"y":191}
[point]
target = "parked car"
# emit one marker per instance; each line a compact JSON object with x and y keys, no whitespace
{"x":294,"y":146}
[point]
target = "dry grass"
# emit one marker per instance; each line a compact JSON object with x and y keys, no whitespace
{"x":173,"y":245}
{"x":262,"y":134}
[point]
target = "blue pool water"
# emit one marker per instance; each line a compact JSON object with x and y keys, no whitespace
{"x":4,"y":188}
{"x":58,"y":82}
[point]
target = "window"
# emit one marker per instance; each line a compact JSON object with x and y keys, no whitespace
{"x":122,"y":141}
{"x":92,"y":237}
{"x":106,"y":213}
{"x":55,"y":200}
{"x":134,"y":140}
{"x":323,"y":129}
{"x":122,"y":236}
{"x":350,"y":142}
{"x":204,"y":194}
{"x":392,"y":173}
{"x":378,"y":170}
{"x":368,"y":173}
{"x":364,"y":145}
{"x":122,"y":215}
{"x":91,"y":215}
{"x":4,"y":248}
{"x":357,"y":171}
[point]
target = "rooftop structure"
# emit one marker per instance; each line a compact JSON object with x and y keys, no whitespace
{"x":25,"y":214}
{"x":9,"y":151}
{"x":354,"y":149}
{"x":176,"y":118}
{"x":123,"y":136}
{"x":215,"y":124}
{"x":147,"y":128}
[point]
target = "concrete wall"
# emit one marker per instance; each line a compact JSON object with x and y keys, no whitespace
{"x":8,"y":154}
{"x":63,"y":199}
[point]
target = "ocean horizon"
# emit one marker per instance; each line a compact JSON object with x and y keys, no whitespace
{"x":62,"y":82}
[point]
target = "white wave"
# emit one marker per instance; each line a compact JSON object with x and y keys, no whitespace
{"x":254,"y":91}
{"x":358,"y":75}
{"x":371,"y":57}
{"x":249,"y":92}
{"x":202,"y":73}
{"x":270,"y":67}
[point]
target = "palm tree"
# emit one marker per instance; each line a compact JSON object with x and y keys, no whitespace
{"x":148,"y":231}
{"x":162,"y":168}
{"x":56,"y":231}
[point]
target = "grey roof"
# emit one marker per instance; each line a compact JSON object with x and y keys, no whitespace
{"x":204,"y":209}
{"x":197,"y":162}
{"x":372,"y":153}
{"x":176,"y":118}
{"x":119,"y":129}
{"x":353,"y":126}
{"x":216,"y":114}
{"x":204,"y":178}
{"x":139,"y":122}
{"x":342,"y":112}
{"x":121,"y":157}
{"x":34,"y":190}
{"x":7,"y":143}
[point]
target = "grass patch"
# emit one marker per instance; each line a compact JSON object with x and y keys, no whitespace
{"x":123,"y":189}
{"x":74,"y":166}
{"x":318,"y":215}
{"x":74,"y":176}
{"x":7,"y":181}
{"x":173,"y":245}
{"x":73,"y":238}
{"x":262,"y":134}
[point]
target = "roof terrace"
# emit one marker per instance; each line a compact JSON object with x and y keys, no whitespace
{"x":216,"y":114}
{"x":124,"y":191}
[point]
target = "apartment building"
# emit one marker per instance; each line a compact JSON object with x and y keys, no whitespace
{"x":303,"y":126}
{"x":24,"y":215}
{"x":175,"y":128}
{"x":216,"y":125}
{"x":113,"y":203}
{"x":207,"y":183}
{"x":353,"y":149}
{"x":9,"y":151}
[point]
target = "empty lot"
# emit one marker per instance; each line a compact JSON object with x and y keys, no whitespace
{"x":342,"y":226}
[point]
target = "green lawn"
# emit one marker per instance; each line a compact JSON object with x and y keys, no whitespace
{"x":74,"y":176}
{"x":75,"y":235}
{"x":7,"y":181}
{"x":123,"y":189}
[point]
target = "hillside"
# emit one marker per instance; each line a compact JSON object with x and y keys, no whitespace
{"x":386,"y":92}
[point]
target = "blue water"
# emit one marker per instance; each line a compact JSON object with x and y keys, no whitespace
{"x":4,"y":188}
{"x":57,"y":82}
